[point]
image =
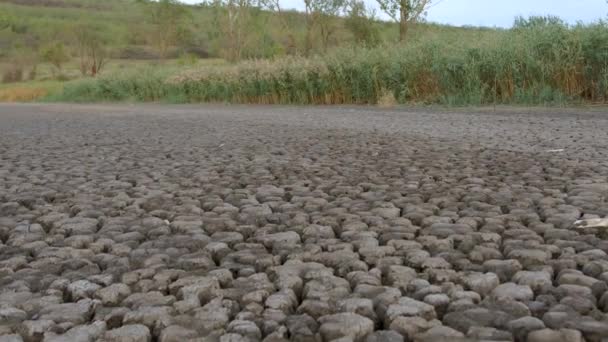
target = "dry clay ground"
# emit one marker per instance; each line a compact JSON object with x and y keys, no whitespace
{"x":183,"y":223}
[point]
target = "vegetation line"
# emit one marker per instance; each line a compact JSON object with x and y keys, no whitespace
{"x":540,"y":61}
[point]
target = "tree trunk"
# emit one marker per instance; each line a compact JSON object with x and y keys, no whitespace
{"x":234,"y":41}
{"x":309,"y":21}
{"x":83,"y":64}
{"x":308,"y":39}
{"x":231,"y":36}
{"x":324,"y":37}
{"x":162,"y":50}
{"x":292,"y":45}
{"x":403,"y":20}
{"x":326,"y":32}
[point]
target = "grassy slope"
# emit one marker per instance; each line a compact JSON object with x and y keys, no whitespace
{"x":42,"y":24}
{"x":116,"y":19}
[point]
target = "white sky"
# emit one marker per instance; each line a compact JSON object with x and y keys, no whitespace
{"x":498,"y":12}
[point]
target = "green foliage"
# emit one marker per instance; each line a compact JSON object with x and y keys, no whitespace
{"x":55,"y":54}
{"x":125,"y":25}
{"x":90,"y":47}
{"x":167,"y":23}
{"x":187,"y":59}
{"x":140,"y":84}
{"x":321,"y":16}
{"x":5,"y":20}
{"x":413,"y":9}
{"x":361,"y":24}
{"x":404,"y":12}
{"x":537,"y":22}
{"x":9,"y":22}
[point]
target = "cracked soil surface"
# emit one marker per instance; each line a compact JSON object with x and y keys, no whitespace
{"x":236,"y":223}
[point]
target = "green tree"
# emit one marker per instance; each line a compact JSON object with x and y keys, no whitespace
{"x":404,"y":12}
{"x":237,"y":16}
{"x":166,"y":18}
{"x":287,"y":29}
{"x":537,"y":22}
{"x":321,"y":14}
{"x":90,"y":47}
{"x":55,"y":54}
{"x":5,"y":21}
{"x":235,"y":19}
{"x":360,"y":22}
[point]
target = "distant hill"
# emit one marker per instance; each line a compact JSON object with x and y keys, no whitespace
{"x":124,"y":28}
{"x":60,"y":3}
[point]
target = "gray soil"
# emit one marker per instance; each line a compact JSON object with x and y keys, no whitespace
{"x":237,"y":223}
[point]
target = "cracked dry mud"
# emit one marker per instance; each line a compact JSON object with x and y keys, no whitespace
{"x":183,"y":223}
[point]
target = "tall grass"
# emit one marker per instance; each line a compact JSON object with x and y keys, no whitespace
{"x":141,"y":84}
{"x":539,"y":61}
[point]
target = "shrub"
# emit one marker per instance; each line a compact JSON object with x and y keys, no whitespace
{"x":33,"y":73}
{"x":55,"y":54}
{"x":187,"y":59}
{"x":12,"y":74}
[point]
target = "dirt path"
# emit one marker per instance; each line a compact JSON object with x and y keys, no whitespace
{"x":242,"y":223}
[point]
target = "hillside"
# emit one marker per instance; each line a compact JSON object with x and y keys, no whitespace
{"x":126,"y":33}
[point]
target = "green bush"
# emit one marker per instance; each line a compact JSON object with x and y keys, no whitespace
{"x":187,"y":59}
{"x":55,"y":53}
{"x":139,"y":84}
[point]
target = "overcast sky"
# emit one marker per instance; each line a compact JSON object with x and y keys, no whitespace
{"x":499,"y":12}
